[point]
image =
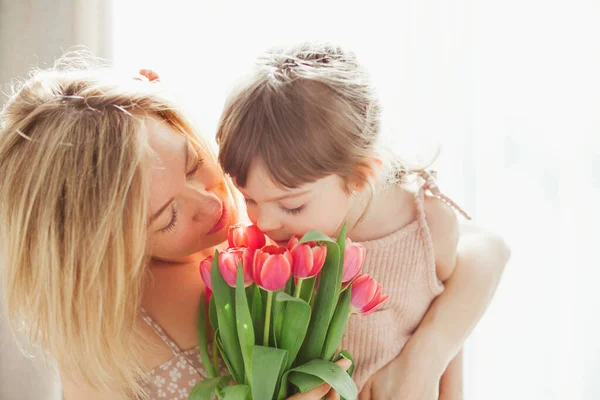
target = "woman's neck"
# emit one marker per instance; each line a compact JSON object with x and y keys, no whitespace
{"x":192,"y":259}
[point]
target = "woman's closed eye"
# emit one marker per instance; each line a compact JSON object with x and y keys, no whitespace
{"x":169,"y":227}
{"x":196,"y":167}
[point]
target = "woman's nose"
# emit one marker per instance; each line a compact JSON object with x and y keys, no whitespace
{"x":202,"y":200}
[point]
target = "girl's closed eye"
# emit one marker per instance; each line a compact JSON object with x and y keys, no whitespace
{"x":292,"y":211}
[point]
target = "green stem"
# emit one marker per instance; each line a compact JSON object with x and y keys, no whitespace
{"x":267,"y":319}
{"x":298,"y":288}
{"x":215,"y":356}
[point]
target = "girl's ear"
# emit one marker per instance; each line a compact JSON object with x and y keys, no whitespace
{"x":367,"y":173}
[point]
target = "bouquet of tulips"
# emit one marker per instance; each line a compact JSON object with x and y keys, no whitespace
{"x":278,"y":314}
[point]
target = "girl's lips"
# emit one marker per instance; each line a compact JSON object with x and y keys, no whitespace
{"x":221,"y":221}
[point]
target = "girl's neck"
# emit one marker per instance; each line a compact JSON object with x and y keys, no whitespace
{"x":376,"y":213}
{"x":358,"y":215}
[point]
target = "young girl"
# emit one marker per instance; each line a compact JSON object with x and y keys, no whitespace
{"x":299,"y":138}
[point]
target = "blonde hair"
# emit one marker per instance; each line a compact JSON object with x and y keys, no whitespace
{"x":307,"y":111}
{"x":74,"y":211}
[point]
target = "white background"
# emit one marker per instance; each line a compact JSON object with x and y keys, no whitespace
{"x":511,"y":90}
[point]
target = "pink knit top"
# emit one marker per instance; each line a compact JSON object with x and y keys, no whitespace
{"x":404,"y":264}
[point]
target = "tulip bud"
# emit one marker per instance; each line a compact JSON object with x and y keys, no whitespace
{"x":272,"y":267}
{"x":249,"y":236}
{"x":228,"y":264}
{"x":366,"y":295}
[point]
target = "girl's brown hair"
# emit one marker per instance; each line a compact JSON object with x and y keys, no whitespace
{"x":308,"y":111}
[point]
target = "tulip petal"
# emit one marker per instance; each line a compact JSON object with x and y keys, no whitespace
{"x":293,"y":242}
{"x":259,"y":260}
{"x":363,"y":290}
{"x":377,"y":301}
{"x":354,"y":258}
{"x":302,"y":261}
{"x":319,"y":255}
{"x":205,"y":269}
{"x":275,"y":272}
{"x":255,"y":238}
{"x":228,"y":266}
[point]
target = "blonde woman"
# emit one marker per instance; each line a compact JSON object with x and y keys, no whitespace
{"x":108,"y":201}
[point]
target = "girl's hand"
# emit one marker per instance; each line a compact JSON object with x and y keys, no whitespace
{"x":148,"y":74}
{"x":320,"y":391}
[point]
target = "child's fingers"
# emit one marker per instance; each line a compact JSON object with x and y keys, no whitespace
{"x":332,"y":395}
{"x":344,"y":363}
{"x":313,"y":394}
{"x":150,"y":74}
{"x":324,"y":389}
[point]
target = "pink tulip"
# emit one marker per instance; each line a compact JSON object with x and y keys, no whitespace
{"x":228,"y":264}
{"x":307,"y":258}
{"x":354,"y":258}
{"x":366,"y":295}
{"x":207,"y":296}
{"x":295,"y":240}
{"x":272,"y":267}
{"x":205,"y":270}
{"x":249,"y":236}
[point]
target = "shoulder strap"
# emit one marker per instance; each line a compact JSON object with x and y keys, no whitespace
{"x":160,"y":332}
{"x":431,"y":185}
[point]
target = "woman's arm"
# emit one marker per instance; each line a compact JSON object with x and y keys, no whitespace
{"x":480,"y":260}
{"x":451,"y":384}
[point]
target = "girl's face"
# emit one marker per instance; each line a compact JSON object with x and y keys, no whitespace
{"x":191,"y":206}
{"x":281,"y":213}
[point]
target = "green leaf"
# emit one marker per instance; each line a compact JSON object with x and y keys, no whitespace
{"x":290,"y":285}
{"x":235,"y":392}
{"x":205,"y":389}
{"x":337,"y":326}
{"x":258,"y":312}
{"x":296,"y":318}
{"x":346,"y":355}
{"x":325,"y":301}
{"x":267,"y":364}
{"x":315,"y":236}
{"x":203,"y":339}
{"x":341,"y":241}
{"x":304,"y":378}
{"x":224,"y":300}
{"x":244,"y":323}
{"x":307,"y":289}
{"x":278,"y":310}
{"x":212,"y":314}
{"x":223,"y":355}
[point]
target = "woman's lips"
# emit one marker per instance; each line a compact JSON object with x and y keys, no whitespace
{"x":221,"y":221}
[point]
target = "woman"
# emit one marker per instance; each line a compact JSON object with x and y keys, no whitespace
{"x":109,"y":200}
